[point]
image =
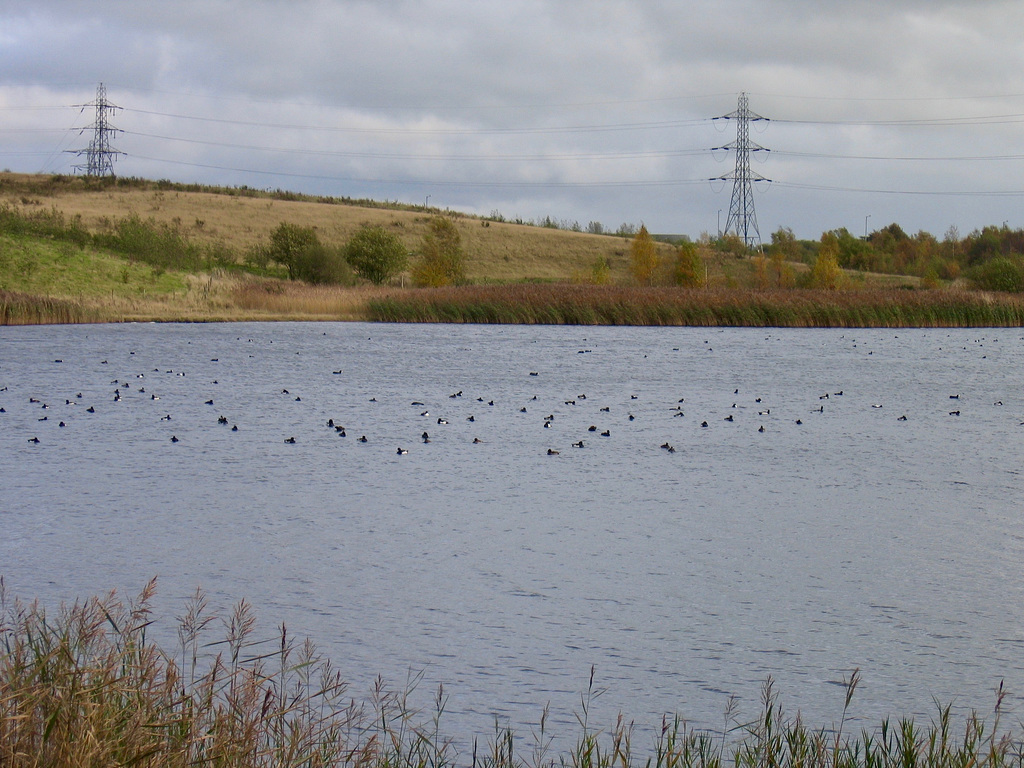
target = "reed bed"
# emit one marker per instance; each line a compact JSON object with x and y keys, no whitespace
{"x":26,"y":309}
{"x":619,"y":305}
{"x":291,"y":300}
{"x":87,"y":687}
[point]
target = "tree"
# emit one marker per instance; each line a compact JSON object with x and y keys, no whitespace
{"x":441,"y":259}
{"x":287,"y":242}
{"x":689,"y":266}
{"x":376,"y":254}
{"x":643,"y":257}
{"x":826,"y":272}
{"x":299,"y":249}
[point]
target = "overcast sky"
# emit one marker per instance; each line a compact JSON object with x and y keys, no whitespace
{"x":600,"y":110}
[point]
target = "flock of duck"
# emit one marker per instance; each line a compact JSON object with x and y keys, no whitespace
{"x":575,"y":421}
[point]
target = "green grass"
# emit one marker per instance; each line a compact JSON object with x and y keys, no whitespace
{"x":33,"y":265}
{"x":87,"y":687}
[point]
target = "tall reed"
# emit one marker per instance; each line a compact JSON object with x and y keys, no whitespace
{"x":26,"y":309}
{"x":87,"y":687}
{"x":619,"y":305}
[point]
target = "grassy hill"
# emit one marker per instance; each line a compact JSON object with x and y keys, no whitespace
{"x":65,"y":257}
{"x":241,"y":218}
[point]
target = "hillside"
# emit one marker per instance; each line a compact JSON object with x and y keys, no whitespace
{"x":239,"y":219}
{"x":65,"y":257}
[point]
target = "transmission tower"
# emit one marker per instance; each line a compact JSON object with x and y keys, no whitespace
{"x":742,"y":220}
{"x":99,"y":156}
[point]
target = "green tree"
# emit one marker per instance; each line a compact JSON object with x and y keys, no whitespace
{"x":441,"y":261}
{"x":287,"y":243}
{"x":300,"y":251}
{"x":643,"y":257}
{"x":376,"y":254}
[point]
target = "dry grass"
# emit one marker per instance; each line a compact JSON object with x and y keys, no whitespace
{"x":616,"y":305}
{"x":87,"y":687}
{"x":495,"y":251}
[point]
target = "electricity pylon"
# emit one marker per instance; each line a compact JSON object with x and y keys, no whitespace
{"x":742,"y":220}
{"x":99,"y":156}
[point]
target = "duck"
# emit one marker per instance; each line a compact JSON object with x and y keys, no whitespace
{"x":799,"y":422}
{"x":902,"y":418}
{"x":33,"y":439}
{"x":477,"y":440}
{"x":761,"y":428}
{"x":632,"y":417}
{"x":363,"y":439}
{"x":578,"y":444}
{"x":401,"y":452}
{"x":728,"y":418}
{"x":222,"y":420}
{"x":442,"y":421}
{"x":426,"y":437}
{"x":290,"y":440}
{"x":704,"y":425}
{"x":174,"y":438}
{"x":552,"y":452}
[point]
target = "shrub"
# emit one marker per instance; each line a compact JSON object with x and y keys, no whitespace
{"x":319,"y":264}
{"x":376,"y":254}
{"x":999,"y":274}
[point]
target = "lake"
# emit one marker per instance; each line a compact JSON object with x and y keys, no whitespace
{"x":808,"y":529}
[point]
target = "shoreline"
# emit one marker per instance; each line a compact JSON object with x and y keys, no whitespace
{"x":538,"y":304}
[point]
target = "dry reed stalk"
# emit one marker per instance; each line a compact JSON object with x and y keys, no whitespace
{"x":87,"y":688}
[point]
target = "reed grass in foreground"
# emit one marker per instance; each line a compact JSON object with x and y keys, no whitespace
{"x":87,"y":688}
{"x":617,"y":305}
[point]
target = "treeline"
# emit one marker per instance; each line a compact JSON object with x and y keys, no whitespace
{"x":990,"y":259}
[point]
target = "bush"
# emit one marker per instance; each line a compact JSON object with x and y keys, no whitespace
{"x":376,"y":254}
{"x":322,"y":265}
{"x":999,"y":274}
{"x":441,"y":259}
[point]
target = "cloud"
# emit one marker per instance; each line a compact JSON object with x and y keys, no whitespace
{"x":481,"y":104}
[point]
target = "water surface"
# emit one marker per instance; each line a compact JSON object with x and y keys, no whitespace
{"x":852,"y":539}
